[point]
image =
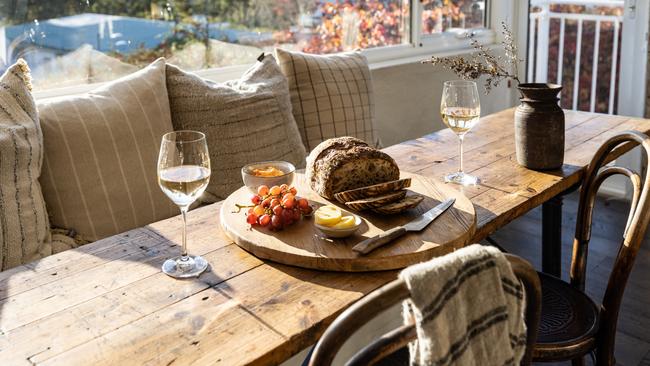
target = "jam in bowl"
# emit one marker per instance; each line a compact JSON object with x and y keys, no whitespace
{"x":269,"y":173}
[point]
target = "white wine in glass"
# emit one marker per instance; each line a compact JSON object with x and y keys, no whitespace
{"x":460,"y":120}
{"x":184,"y":184}
{"x":183,"y":174}
{"x":460,"y":109}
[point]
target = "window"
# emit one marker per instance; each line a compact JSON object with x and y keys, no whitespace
{"x":71,"y":42}
{"x":443,"y":15}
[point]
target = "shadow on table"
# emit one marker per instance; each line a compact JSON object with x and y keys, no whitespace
{"x":107,"y":268}
{"x":312,"y":244}
{"x":494,"y":199}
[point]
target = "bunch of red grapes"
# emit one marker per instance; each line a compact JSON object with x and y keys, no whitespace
{"x":277,"y":207}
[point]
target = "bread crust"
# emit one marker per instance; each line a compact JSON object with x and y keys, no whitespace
{"x":346,"y":163}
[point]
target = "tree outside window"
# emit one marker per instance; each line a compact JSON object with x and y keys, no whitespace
{"x":68,"y":42}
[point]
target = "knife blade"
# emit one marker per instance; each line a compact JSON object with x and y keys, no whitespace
{"x":417,"y":224}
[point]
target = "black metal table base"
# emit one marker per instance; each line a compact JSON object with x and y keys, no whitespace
{"x":552,"y":236}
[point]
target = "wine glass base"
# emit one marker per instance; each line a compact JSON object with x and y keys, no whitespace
{"x":185,"y":267}
{"x":462,"y":179}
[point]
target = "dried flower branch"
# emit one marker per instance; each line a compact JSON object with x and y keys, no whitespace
{"x":483,"y":62}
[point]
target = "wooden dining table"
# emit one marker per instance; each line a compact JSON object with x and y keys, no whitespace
{"x":108,"y":303}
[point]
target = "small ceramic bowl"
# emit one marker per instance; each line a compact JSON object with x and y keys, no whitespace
{"x":341,"y":233}
{"x":253,"y":181}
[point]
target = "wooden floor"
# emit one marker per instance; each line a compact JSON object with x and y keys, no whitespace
{"x":523,"y":237}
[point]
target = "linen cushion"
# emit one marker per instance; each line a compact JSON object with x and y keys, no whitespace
{"x":245,"y":121}
{"x":331,"y":95}
{"x":24,"y":227}
{"x":101,"y":150}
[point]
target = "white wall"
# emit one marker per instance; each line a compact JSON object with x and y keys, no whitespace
{"x":407,"y":99}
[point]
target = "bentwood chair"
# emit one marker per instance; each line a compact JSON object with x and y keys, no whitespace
{"x":572,"y":325}
{"x":370,"y":306}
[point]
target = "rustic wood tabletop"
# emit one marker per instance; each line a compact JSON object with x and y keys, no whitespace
{"x":109,"y":303}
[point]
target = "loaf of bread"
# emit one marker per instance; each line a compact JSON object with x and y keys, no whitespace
{"x":346,"y":163}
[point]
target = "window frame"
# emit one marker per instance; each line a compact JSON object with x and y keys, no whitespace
{"x":420,"y":47}
{"x":448,"y":39}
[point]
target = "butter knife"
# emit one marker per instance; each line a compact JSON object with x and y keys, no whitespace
{"x":417,"y":224}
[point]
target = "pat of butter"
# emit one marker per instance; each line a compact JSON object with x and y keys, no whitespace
{"x":327,"y":215}
{"x":347,"y":222}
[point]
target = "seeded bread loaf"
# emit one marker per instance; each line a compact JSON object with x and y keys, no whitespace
{"x":345,"y":163}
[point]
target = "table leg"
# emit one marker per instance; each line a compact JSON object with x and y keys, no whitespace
{"x":552,"y":236}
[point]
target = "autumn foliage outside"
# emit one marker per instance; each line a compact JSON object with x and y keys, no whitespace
{"x":215,"y":33}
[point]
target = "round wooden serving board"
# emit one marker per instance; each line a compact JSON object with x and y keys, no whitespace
{"x":303,"y":245}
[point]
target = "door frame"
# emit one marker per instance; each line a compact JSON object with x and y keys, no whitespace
{"x":632,"y":98}
{"x":634,"y":57}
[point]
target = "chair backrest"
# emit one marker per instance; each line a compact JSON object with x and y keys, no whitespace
{"x":633,"y":235}
{"x":383,"y":298}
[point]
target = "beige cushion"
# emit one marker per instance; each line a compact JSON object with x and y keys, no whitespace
{"x":101,"y":149}
{"x":331,"y":95}
{"x":24,"y":227}
{"x":245,"y":121}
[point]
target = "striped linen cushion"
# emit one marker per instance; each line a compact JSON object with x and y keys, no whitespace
{"x":332,"y":96}
{"x":24,"y":227}
{"x":245,"y":121}
{"x":101,"y":150}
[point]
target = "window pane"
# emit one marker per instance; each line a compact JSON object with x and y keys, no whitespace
{"x":68,"y":42}
{"x":442,"y":15}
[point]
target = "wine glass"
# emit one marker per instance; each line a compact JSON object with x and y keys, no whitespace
{"x":460,"y":109}
{"x":183,"y":174}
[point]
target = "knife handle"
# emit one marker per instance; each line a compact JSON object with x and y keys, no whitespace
{"x":377,"y":241}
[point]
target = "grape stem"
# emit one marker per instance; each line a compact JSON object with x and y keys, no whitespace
{"x":239,"y":207}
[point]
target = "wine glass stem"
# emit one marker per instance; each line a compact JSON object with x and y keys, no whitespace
{"x":184,"y":215}
{"x":461,"y":138}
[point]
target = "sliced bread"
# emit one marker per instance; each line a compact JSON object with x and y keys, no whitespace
{"x":400,"y":206}
{"x":372,"y":191}
{"x":375,"y":202}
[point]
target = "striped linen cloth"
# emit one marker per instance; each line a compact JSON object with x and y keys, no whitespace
{"x":24,"y":227}
{"x":468,"y":309}
{"x":101,"y":150}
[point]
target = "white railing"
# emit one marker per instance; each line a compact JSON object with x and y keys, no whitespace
{"x":538,"y":52}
